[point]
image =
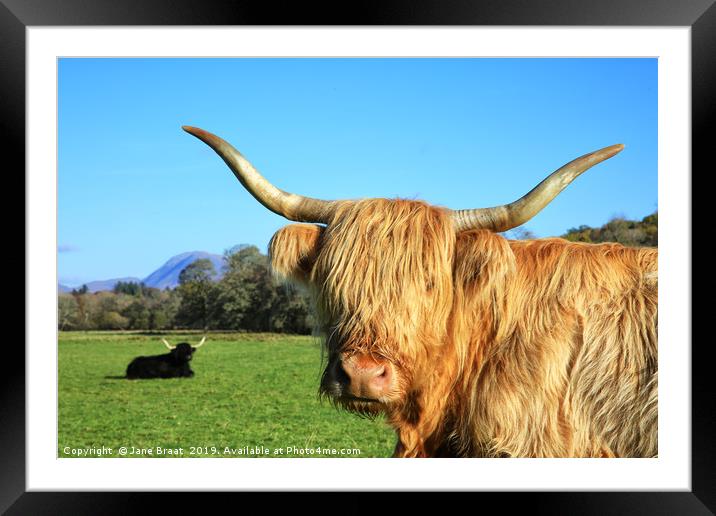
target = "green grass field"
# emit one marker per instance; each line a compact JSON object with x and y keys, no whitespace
{"x":249,"y":391}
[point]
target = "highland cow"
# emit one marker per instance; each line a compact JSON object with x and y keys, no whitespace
{"x":174,"y":364}
{"x":471,"y":344}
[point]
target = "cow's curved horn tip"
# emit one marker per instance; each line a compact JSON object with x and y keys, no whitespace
{"x":190,"y":129}
{"x":200,"y":133}
{"x":615,"y":149}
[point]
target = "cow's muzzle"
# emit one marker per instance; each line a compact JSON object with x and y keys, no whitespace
{"x":359,"y":377}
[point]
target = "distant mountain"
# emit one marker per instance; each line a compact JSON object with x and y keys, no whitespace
{"x":165,"y":276}
{"x":168,"y":274}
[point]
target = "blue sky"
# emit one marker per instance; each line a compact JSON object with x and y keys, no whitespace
{"x":134,"y":189}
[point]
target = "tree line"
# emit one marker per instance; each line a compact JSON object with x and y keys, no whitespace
{"x":247,"y":298}
{"x":634,"y":233}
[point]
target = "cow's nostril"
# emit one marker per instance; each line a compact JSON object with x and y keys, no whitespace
{"x":381,"y":377}
{"x":340,"y":375}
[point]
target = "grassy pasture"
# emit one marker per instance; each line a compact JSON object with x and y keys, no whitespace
{"x":249,"y":391}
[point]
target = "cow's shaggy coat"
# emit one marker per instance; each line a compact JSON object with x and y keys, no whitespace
{"x":537,"y":348}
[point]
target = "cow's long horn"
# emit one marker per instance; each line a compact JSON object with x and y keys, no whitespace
{"x":201,"y":343}
{"x":508,"y":216}
{"x":167,"y":344}
{"x":294,"y":207}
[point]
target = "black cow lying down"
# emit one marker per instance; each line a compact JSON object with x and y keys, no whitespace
{"x":174,"y":364}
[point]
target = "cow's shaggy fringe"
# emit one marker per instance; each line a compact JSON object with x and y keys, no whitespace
{"x":537,"y":348}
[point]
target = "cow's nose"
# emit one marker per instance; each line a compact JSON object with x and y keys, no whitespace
{"x":368,"y":378}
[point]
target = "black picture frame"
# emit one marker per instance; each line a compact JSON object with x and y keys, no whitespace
{"x":700,"y":15}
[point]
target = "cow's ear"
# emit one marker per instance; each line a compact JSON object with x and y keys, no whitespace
{"x":484,"y":266}
{"x":483,"y":262}
{"x":293,"y":250}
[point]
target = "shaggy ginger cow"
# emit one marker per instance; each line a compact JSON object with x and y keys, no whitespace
{"x":473,"y":345}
